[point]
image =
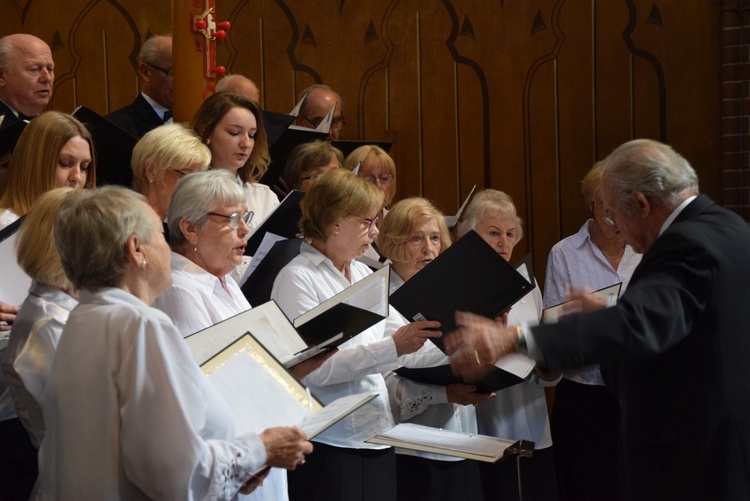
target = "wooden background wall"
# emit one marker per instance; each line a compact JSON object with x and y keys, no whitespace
{"x":518,"y":95}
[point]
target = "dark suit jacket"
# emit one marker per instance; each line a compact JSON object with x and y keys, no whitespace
{"x":680,"y":344}
{"x":10,"y":117}
{"x":137,"y":118}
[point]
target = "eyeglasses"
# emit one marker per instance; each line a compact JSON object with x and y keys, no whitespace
{"x":166,"y":71}
{"x":369,"y":222}
{"x":385,"y":179}
{"x":235,"y":218}
{"x":311,"y":177}
{"x":180,"y":173}
{"x":336,"y":123}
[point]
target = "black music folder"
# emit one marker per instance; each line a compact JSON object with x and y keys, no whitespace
{"x":10,"y":134}
{"x":351,"y":311}
{"x":113,"y":148}
{"x":497,"y":379}
{"x":283,"y":145}
{"x":257,"y":288}
{"x":468,"y":276}
{"x":283,"y":221}
{"x":347,"y":145}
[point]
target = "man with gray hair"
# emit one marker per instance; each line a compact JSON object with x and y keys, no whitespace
{"x":239,"y":84}
{"x":318,"y":101}
{"x":27,"y":73}
{"x":153,"y":106}
{"x":675,"y":342}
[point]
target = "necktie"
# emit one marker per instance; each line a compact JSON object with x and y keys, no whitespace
{"x":167,"y":116}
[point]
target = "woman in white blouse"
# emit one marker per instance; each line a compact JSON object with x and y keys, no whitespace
{"x":412,"y":235}
{"x":338,"y":220}
{"x":232,"y":127}
{"x":586,"y":415}
{"x":127,"y":412}
{"x":518,"y":412}
{"x":43,"y":314}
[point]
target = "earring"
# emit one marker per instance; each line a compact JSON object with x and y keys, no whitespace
{"x":195,"y":249}
{"x":208,"y":141}
{"x":143,"y":263}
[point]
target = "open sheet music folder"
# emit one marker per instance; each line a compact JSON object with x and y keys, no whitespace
{"x":609,"y":295}
{"x":468,"y":276}
{"x":428,"y":439}
{"x":262,"y":394}
{"x":283,"y":221}
{"x":14,"y":282}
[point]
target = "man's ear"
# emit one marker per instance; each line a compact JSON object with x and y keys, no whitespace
{"x":643,"y":203}
{"x":145,"y":71}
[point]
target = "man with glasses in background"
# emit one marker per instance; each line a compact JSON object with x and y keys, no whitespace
{"x":153,"y":106}
{"x":318,"y":101}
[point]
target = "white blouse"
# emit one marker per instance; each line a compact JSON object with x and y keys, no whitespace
{"x":520,"y":412}
{"x":576,"y":261}
{"x":308,"y":280}
{"x":196,"y":300}
{"x":33,"y":340}
{"x":129,"y":415}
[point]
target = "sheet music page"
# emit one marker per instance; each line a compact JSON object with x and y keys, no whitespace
{"x":263,"y":249}
{"x":15,"y":283}
{"x":517,"y":364}
{"x":316,"y":422}
{"x":459,"y":442}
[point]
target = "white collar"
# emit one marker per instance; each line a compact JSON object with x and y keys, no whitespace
{"x":676,"y":213}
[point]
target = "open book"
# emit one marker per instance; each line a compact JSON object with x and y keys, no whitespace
{"x":14,"y":284}
{"x":468,"y":276}
{"x":428,"y":439}
{"x":609,"y":295}
{"x":262,"y":394}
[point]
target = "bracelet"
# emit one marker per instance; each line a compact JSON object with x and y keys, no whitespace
{"x":521,"y":342}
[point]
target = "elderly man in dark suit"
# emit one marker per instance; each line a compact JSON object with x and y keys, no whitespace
{"x":27,"y":73}
{"x":676,"y":340}
{"x":153,"y":106}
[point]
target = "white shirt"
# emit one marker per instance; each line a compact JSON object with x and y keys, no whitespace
{"x":577,"y":261}
{"x":33,"y":340}
{"x":261,"y":201}
{"x":520,"y":411}
{"x":196,"y":300}
{"x":129,"y":415}
{"x":7,"y":216}
{"x":308,"y":280}
{"x":158,"y":109}
{"x":7,"y":409}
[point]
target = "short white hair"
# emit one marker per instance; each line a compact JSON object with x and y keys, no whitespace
{"x":486,"y":200}
{"x":197,"y":194}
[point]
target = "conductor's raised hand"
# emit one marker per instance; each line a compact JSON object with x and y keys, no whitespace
{"x":477,"y":344}
{"x":285,"y":447}
{"x":412,"y":337}
{"x":7,"y":315}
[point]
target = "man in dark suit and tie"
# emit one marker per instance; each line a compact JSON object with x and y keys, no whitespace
{"x":677,"y":340}
{"x":153,"y":106}
{"x":26,"y":77}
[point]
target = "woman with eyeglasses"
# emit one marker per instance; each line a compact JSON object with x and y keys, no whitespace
{"x":585,"y":411}
{"x":412,"y":235}
{"x":338,"y":221}
{"x":163,"y":156}
{"x":207,"y":221}
{"x":232,"y":128}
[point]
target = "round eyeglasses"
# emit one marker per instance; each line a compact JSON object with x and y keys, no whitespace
{"x":236,"y":217}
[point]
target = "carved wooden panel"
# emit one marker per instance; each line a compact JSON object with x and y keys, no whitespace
{"x":518,"y":95}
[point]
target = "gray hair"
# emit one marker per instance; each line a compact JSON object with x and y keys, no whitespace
{"x":6,"y":48}
{"x":91,"y":231}
{"x":150,"y":51}
{"x":651,"y":167}
{"x":482,"y":202}
{"x":197,"y":194}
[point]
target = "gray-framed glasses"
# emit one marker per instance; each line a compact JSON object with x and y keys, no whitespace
{"x":235,"y":218}
{"x":385,"y":179}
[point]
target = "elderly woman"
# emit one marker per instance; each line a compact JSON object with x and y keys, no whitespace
{"x":308,"y":161}
{"x":585,"y":411}
{"x":518,"y":412}
{"x":161,"y":158}
{"x":158,"y":428}
{"x":338,"y":220}
{"x":412,"y":235}
{"x":66,"y":159}
{"x":43,"y":314}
